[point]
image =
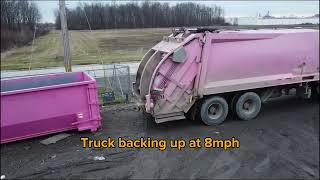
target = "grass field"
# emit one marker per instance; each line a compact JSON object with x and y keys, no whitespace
{"x":108,"y":46}
{"x":86,"y":48}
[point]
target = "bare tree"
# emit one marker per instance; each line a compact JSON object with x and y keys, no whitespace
{"x":144,"y":15}
{"x":18,"y":20}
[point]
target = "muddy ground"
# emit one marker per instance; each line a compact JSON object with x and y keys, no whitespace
{"x":283,"y":142}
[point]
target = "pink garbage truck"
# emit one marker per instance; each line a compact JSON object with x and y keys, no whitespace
{"x":209,"y":73}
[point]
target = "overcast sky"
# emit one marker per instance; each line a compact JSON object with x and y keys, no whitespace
{"x":231,"y":8}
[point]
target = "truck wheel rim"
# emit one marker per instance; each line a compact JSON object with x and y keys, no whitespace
{"x":249,"y":106}
{"x":215,"y":111}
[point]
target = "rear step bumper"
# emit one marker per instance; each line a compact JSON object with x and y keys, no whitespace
{"x":169,"y":117}
{"x":163,"y":117}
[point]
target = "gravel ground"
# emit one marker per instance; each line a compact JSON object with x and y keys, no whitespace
{"x":283,"y":142}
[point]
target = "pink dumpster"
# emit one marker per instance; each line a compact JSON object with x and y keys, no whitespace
{"x":39,"y":105}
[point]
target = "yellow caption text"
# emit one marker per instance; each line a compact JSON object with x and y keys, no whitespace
{"x":161,"y":144}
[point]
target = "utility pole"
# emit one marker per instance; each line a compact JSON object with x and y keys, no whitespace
{"x":65,"y":36}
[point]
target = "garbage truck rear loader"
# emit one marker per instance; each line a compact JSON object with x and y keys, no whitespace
{"x":211,"y":73}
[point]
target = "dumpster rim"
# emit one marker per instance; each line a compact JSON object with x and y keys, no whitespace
{"x":84,"y":82}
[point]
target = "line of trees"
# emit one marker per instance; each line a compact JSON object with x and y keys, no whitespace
{"x":18,"y":20}
{"x":141,"y":15}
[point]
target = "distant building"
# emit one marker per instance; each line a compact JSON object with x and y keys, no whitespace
{"x":268,"y":16}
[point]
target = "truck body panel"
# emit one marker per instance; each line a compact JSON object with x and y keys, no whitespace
{"x":256,"y":59}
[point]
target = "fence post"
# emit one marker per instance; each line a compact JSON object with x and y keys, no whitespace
{"x":65,"y":36}
{"x":129,"y":81}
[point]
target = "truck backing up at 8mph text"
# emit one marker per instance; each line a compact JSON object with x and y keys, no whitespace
{"x":209,"y":73}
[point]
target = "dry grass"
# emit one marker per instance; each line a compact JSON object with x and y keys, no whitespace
{"x":86,"y":48}
{"x":108,"y":46}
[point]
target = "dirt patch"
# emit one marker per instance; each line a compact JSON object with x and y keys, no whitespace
{"x":283,"y":142}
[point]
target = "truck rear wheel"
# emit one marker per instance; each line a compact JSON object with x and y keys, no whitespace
{"x":214,"y":110}
{"x":248,"y":106}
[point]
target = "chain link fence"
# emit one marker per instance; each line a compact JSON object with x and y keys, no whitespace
{"x":114,"y":83}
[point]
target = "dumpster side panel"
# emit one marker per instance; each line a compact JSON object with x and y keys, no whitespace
{"x":33,"y":113}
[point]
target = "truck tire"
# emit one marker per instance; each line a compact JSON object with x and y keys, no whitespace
{"x":233,"y":102}
{"x":214,"y":110}
{"x":248,"y":106}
